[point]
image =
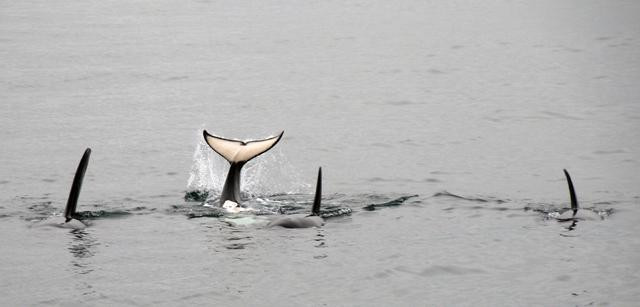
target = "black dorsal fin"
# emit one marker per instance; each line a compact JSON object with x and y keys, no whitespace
{"x":72,"y":203}
{"x":315,"y":210}
{"x":572,"y":193}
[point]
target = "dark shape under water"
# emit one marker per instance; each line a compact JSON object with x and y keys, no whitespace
{"x":197,"y":211}
{"x":196,"y":195}
{"x":396,"y":202}
{"x":101,"y":214}
{"x":335,"y":212}
{"x":212,"y":212}
{"x":480,"y":200}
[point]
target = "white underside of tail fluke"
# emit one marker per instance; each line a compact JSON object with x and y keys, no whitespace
{"x":240,"y":151}
{"x":233,"y":207}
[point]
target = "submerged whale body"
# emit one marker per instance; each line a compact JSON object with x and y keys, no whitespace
{"x":301,"y":220}
{"x":237,"y":153}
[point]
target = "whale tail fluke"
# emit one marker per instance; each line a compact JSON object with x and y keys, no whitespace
{"x":236,"y":151}
{"x":315,"y":210}
{"x":572,"y":193}
{"x":72,"y":202}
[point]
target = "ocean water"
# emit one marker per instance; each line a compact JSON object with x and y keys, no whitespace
{"x":443,"y":126}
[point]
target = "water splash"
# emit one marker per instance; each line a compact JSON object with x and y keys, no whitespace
{"x":552,"y":212}
{"x":269,"y":174}
{"x":204,"y":166}
{"x":272,"y":174}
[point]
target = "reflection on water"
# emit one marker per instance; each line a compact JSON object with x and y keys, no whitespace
{"x":320,"y":238}
{"x":322,"y":243}
{"x":573,"y":225}
{"x":82,"y":247}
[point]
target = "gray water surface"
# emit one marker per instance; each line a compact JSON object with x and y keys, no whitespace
{"x":474,"y":107}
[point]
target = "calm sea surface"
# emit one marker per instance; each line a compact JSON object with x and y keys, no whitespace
{"x":454,"y":119}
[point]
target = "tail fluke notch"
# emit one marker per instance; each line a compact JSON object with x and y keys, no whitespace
{"x":236,"y":151}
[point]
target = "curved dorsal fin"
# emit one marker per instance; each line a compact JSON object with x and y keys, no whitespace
{"x":572,"y":193}
{"x":72,"y":202}
{"x":315,"y":210}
